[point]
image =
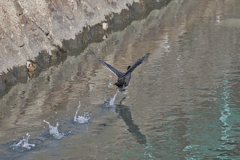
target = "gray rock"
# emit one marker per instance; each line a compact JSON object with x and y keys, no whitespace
{"x":29,"y":27}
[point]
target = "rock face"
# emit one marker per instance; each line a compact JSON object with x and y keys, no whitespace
{"x":28,"y":27}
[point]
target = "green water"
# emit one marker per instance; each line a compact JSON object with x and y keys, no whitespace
{"x":182,"y":103}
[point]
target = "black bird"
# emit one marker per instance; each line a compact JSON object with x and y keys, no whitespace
{"x":123,"y":78}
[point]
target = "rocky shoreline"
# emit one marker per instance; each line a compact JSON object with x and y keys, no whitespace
{"x":51,"y":47}
{"x":29,"y":27}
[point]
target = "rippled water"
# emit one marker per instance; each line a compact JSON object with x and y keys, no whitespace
{"x":182,"y":103}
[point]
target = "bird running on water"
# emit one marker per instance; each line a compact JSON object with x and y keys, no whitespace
{"x":123,"y":78}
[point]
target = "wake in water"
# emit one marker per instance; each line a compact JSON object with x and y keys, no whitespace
{"x":54,"y":130}
{"x":81,"y":119}
{"x":23,"y":143}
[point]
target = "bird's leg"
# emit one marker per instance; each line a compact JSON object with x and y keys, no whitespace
{"x":122,"y":100}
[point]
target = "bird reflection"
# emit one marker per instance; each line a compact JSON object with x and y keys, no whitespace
{"x":125,"y":113}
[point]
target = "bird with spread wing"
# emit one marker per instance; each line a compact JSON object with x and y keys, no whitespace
{"x":123,"y":78}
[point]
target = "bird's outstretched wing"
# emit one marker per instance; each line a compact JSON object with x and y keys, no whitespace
{"x":135,"y":64}
{"x":109,"y":67}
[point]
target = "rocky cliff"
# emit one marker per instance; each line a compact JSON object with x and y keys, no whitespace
{"x":28,"y":27}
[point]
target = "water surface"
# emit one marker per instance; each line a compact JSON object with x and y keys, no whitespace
{"x":182,"y":103}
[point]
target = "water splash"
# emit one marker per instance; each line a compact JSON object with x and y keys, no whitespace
{"x":109,"y":103}
{"x":113,"y":99}
{"x":81,"y":119}
{"x":54,"y":131}
{"x":24,"y":143}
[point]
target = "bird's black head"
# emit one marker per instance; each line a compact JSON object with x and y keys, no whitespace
{"x":128,"y":67}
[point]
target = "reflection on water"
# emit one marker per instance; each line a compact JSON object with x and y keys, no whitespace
{"x":183,"y":103}
{"x":125,"y":113}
